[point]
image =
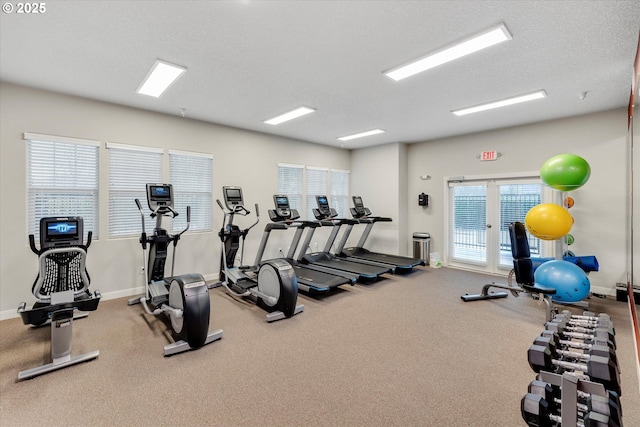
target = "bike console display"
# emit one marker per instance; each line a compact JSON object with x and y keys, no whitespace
{"x":60,"y":232}
{"x":159,"y":195}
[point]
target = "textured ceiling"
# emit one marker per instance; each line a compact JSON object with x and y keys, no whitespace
{"x":250,"y":60}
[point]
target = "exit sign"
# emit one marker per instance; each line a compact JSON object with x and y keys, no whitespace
{"x":488,"y":155}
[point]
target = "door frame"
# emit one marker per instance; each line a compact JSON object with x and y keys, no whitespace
{"x":492,"y":265}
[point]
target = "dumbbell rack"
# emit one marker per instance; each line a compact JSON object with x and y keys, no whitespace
{"x":574,"y":385}
{"x":570,"y":385}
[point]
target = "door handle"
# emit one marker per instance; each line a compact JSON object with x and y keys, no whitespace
{"x":488,"y":225}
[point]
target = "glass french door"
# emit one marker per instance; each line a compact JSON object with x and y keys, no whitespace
{"x":479,"y":215}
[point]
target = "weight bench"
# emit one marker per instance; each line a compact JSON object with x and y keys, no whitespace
{"x":523,"y":270}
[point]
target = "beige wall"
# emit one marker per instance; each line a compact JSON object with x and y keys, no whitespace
{"x":600,"y":212}
{"x":387,"y":177}
{"x":378,"y":175}
{"x":243,"y":158}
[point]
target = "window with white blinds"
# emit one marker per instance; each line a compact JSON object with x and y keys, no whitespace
{"x":339,"y":182}
{"x":316,"y":185}
{"x":303,"y":183}
{"x":192,"y":179}
{"x":62,"y":180}
{"x":290,"y":184}
{"x":130,"y":169}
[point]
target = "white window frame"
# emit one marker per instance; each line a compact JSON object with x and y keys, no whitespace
{"x":70,"y":181}
{"x":548,"y":248}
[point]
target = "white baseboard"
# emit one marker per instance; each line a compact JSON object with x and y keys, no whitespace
{"x":212,"y":277}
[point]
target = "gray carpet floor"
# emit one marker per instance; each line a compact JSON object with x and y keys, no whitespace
{"x":404,"y":351}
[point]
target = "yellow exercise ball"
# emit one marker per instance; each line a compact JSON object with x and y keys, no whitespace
{"x":548,"y":221}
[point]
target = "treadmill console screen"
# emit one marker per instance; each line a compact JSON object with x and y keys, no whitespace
{"x":358,"y":205}
{"x":282,"y":206}
{"x":282,"y":202}
{"x":323,"y":205}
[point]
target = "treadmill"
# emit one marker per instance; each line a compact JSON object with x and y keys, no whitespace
{"x":310,"y":279}
{"x":362,"y":214}
{"x":365,"y":271}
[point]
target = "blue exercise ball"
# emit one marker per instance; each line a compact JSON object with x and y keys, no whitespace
{"x":570,"y":281}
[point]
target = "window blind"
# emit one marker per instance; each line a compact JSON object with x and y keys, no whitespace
{"x":339,"y":182}
{"x":316,"y":185}
{"x":290,"y":184}
{"x":62,"y":180}
{"x":192,"y":179}
{"x":130,"y":169}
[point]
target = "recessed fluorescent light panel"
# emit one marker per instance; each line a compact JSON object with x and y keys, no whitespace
{"x":361,"y":134}
{"x":293,"y":114}
{"x":502,"y":103}
{"x":468,"y":46}
{"x":162,"y":75}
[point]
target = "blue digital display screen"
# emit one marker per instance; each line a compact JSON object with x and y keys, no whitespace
{"x":282,"y":201}
{"x":62,"y":228}
{"x":322,"y":201}
{"x":160,"y":191}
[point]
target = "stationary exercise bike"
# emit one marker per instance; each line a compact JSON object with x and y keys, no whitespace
{"x":184,"y":298}
{"x":61,"y":289}
{"x":271,"y":284}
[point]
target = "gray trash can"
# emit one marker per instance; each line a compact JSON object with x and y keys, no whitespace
{"x":421,"y":246}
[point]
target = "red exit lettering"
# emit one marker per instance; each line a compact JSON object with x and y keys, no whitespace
{"x":488,"y":155}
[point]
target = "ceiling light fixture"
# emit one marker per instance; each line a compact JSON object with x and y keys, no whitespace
{"x":501,"y":103}
{"x":162,"y":75}
{"x":293,"y":114}
{"x":361,"y":134}
{"x":485,"y":39}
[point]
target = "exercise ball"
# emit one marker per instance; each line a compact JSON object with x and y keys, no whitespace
{"x":569,"y":240}
{"x":548,"y":221}
{"x":568,"y":202}
{"x":565,"y":172}
{"x":570,"y":281}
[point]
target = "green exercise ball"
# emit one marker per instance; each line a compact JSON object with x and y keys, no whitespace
{"x":565,"y":172}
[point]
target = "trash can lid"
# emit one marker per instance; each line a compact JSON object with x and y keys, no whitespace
{"x":421,"y":235}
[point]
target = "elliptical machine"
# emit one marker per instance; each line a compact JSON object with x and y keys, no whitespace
{"x":61,"y":288}
{"x":184,"y":298}
{"x":271,"y":284}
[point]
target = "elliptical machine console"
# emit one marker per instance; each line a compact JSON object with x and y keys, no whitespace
{"x":184,"y":298}
{"x":272,"y":284}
